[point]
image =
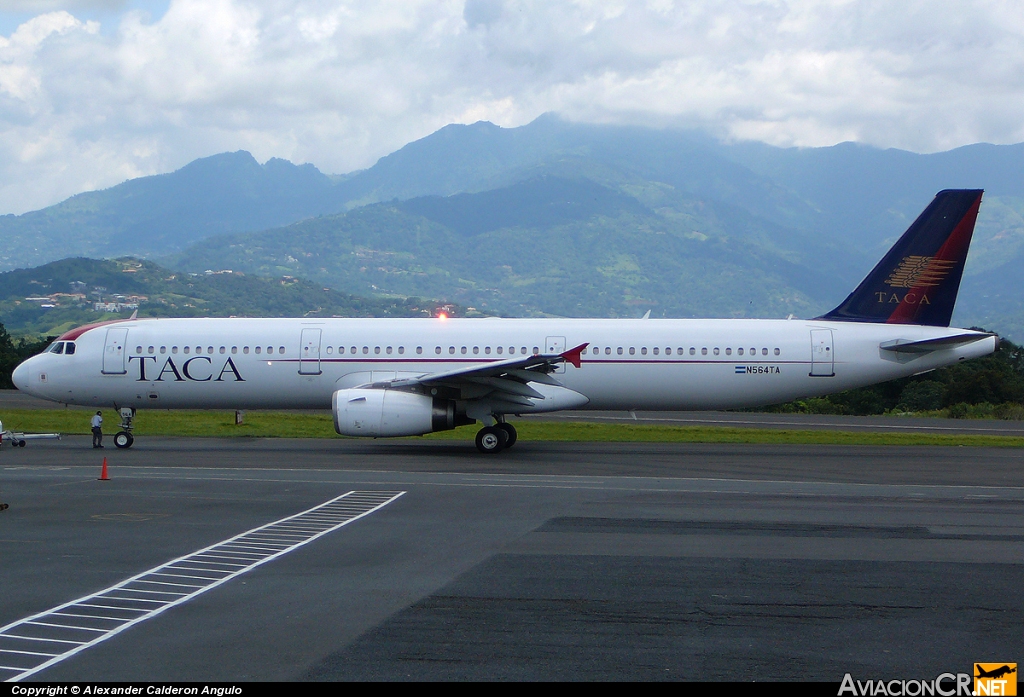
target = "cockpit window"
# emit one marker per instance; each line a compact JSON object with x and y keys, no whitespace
{"x":56,"y":348}
{"x":69,"y":348}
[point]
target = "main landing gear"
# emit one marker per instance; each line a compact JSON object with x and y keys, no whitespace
{"x":124,"y":439}
{"x":491,"y":439}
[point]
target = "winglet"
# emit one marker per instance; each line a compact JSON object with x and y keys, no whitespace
{"x":573,"y":354}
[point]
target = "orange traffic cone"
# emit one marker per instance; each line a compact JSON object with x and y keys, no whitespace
{"x":103,"y":472}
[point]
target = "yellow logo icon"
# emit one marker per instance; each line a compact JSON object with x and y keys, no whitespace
{"x":995,"y":678}
{"x":919,"y":272}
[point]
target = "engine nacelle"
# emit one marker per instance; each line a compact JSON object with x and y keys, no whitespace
{"x":383,"y":413}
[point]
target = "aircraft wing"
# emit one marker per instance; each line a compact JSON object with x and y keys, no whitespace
{"x":506,"y":382}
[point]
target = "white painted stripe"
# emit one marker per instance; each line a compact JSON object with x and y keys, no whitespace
{"x":91,"y":617}
{"x":66,"y":626}
{"x":357,"y":505}
{"x":35,"y":638}
{"x":28,"y":653}
{"x":110,"y":607}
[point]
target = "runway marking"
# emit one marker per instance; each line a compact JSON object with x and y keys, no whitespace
{"x":806,"y":426}
{"x":47,"y":627}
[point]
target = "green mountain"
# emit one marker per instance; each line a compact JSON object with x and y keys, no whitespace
{"x":225,"y":193}
{"x":663,"y":219}
{"x":549,"y":245}
{"x":52,"y":298}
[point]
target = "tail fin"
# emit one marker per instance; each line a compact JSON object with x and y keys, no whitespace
{"x":917,"y":281}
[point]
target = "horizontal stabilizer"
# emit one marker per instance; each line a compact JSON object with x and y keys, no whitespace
{"x":929,"y":345}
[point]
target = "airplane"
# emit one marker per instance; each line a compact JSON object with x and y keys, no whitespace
{"x":407,"y":377}
{"x":994,"y":673}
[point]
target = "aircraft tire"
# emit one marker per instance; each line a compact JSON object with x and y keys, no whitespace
{"x":510,"y":432}
{"x":123,"y":440}
{"x":490,"y":439}
{"x":21,"y":444}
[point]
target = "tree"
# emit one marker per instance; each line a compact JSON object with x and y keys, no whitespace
{"x":14,"y":352}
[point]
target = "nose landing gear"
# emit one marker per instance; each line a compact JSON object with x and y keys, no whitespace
{"x":124,"y":439}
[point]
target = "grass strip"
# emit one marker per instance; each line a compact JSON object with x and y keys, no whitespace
{"x":276,"y":424}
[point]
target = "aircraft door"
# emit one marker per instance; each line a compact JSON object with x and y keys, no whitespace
{"x":114,"y":352}
{"x":822,"y":353}
{"x":309,"y":352}
{"x":555,"y":344}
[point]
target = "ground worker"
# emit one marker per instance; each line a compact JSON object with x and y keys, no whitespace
{"x":97,"y":430}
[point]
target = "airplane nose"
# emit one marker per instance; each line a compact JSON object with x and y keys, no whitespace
{"x":20,"y":376}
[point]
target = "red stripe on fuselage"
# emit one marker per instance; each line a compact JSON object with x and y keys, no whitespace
{"x":73,"y":334}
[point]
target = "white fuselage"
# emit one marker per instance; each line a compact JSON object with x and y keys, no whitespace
{"x":628,"y":364}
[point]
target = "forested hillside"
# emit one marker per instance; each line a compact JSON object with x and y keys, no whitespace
{"x":54,"y":297}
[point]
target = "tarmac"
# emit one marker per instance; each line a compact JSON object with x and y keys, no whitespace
{"x":549,"y":561}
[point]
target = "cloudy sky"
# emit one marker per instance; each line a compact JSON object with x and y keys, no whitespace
{"x":93,"y":92}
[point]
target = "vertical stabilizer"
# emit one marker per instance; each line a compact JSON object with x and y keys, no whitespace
{"x":918,"y":279}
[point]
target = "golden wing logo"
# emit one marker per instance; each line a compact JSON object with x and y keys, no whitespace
{"x":919,"y":272}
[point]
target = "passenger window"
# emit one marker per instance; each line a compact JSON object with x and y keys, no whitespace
{"x":476,"y":350}
{"x":619,"y":350}
{"x":643,"y":351}
{"x":353,"y":350}
{"x":222,"y":350}
{"x":419,"y":350}
{"x":151,"y":350}
{"x":163,"y":349}
{"x":174,"y":350}
{"x":607,"y":350}
{"x":245,"y":350}
{"x":536,"y":351}
{"x":693,"y":351}
{"x":451,"y":350}
{"x":259,"y":349}
{"x":401,"y":350}
{"x":280,"y":349}
{"x":388,"y":350}
{"x":777,"y":352}
{"x":739,"y":351}
{"x":704,"y":351}
{"x":234,"y":349}
{"x":764,"y":352}
{"x":632,"y":351}
{"x":366,"y":350}
{"x":716,"y":350}
{"x":487,"y":350}
{"x":138,"y":349}
{"x":330,"y":350}
{"x":437,"y":350}
{"x":753,"y":352}
{"x":728,"y":352}
{"x":463,"y":350}
{"x":376,"y":350}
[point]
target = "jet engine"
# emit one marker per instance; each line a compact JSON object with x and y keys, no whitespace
{"x":383,"y":413}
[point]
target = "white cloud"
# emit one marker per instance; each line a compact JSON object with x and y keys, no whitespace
{"x":339,"y":85}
